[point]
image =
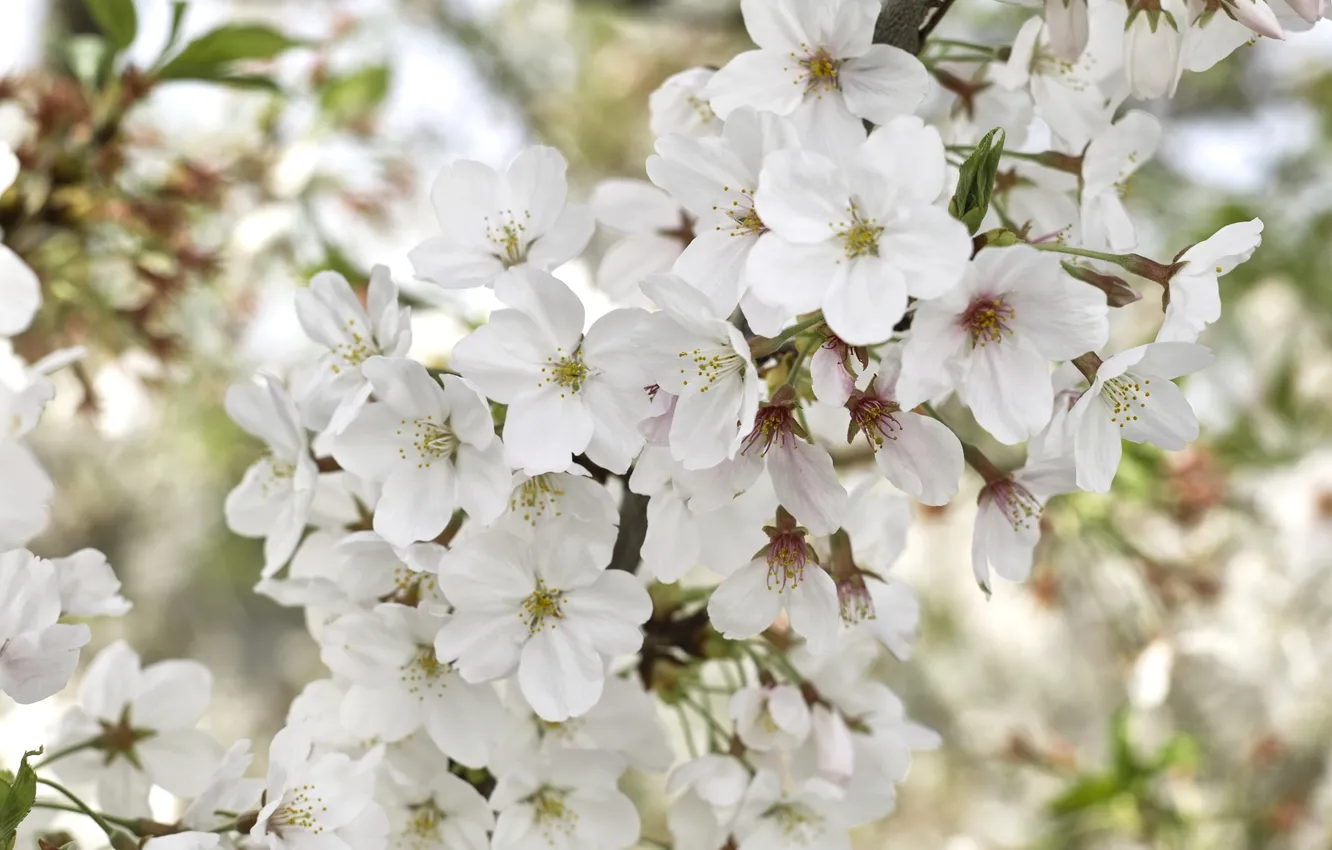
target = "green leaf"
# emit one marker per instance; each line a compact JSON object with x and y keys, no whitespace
{"x":178,"y":8}
{"x":355,"y":95}
{"x":210,"y":56}
{"x":1087,"y":793}
{"x":18,"y":801}
{"x":975,"y":182}
{"x":87,"y":56}
{"x":116,"y":19}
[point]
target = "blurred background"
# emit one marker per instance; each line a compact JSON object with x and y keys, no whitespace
{"x":1160,"y":682}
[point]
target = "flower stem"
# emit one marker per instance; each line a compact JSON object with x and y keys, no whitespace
{"x":1088,"y":364}
{"x":1132,"y":263}
{"x":67,"y":751}
{"x":138,"y":827}
{"x":765,"y":346}
{"x":102,"y":821}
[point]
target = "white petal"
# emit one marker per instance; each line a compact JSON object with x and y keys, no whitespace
{"x":542,"y":433}
{"x":807,"y":485}
{"x":924,"y":461}
{"x":883,"y":83}
{"x":864,"y":304}
{"x":417,"y":502}
{"x":910,"y":153}
{"x":743,"y":605}
{"x":1096,"y":445}
{"x":560,"y":677}
{"x":814,"y":610}
{"x":793,"y":277}
{"x":20,"y":294}
{"x":1009,"y":390}
{"x":761,"y":79}
{"x":802,"y":196}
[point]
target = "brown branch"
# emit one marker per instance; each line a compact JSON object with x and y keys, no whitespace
{"x":633,"y":531}
{"x":906,"y":23}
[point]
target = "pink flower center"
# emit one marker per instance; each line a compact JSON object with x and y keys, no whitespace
{"x":1019,"y":506}
{"x":786,"y":560}
{"x":987,"y":320}
{"x":774,"y":423}
{"x":876,"y":418}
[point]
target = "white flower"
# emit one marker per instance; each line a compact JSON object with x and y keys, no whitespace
{"x":227,"y":791}
{"x":536,"y":500}
{"x":547,"y":608}
{"x":441,"y":813}
{"x":831,"y":373}
{"x":857,"y":238}
{"x":818,"y":64}
{"x":566,"y":800}
{"x":25,"y":500}
{"x":786,"y":577}
{"x":1008,"y":517}
{"x":917,"y":453}
{"x":398,"y":686}
{"x":808,"y":816}
{"x":37,"y":653}
{"x":20,"y":291}
{"x":771,"y":718}
{"x":1194,"y":290}
{"x":494,"y":222}
{"x":1133,"y":398}
{"x":1213,"y":34}
{"x":1111,"y":159}
{"x":1066,"y":92}
{"x":333,"y":317}
{"x":711,"y":517}
{"x":716,"y":179}
{"x":88,"y":586}
{"x":680,"y":105}
{"x":567,"y":393}
{"x":324,"y":802}
{"x":655,"y":231}
{"x":713,"y":788}
{"x":1152,"y":43}
{"x":140,"y":722}
{"x":802,"y":471}
{"x":432,"y":445}
{"x":273,"y":499}
{"x":691,"y":351}
{"x":624,"y":723}
{"x":992,"y":337}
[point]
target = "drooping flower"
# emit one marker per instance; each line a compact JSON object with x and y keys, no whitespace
{"x":494,"y":221}
{"x":802,"y":471}
{"x":771,"y":718}
{"x":786,"y":576}
{"x":1153,"y":40}
{"x":992,"y":337}
{"x":1008,"y":517}
{"x":547,"y":608}
{"x":432,"y":446}
{"x":1111,"y":159}
{"x":1132,"y":398}
{"x":917,"y":453}
{"x":818,"y":64}
{"x":273,"y":500}
{"x":1195,"y":291}
{"x":38,"y":654}
{"x":351,"y":334}
{"x":567,"y":393}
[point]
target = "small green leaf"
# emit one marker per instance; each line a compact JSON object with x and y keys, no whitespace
{"x":116,"y":19}
{"x":178,"y":8}
{"x":1087,"y":793}
{"x":86,"y":56}
{"x":975,"y":182}
{"x":18,"y":801}
{"x":353,"y":96}
{"x":210,"y":56}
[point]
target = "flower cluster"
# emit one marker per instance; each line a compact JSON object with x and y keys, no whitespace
{"x":512,"y":564}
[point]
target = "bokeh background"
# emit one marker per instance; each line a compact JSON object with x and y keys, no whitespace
{"x":1162,"y":680}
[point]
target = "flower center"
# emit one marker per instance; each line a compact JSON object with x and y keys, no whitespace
{"x":1122,"y":394}
{"x":508,"y":233}
{"x":854,"y":600}
{"x":821,"y":70}
{"x":710,"y":365}
{"x":742,"y":213}
{"x":787,"y":555}
{"x":774,"y":423}
{"x":560,"y":731}
{"x":423,"y":829}
{"x":860,"y":236}
{"x":542,"y":605}
{"x":551,"y":814}
{"x":986,"y":319}
{"x":536,"y":497}
{"x":568,"y":371}
{"x":424,"y":672}
{"x":355,"y":351}
{"x":875,"y":417}
{"x":1019,"y":506}
{"x":432,"y":441}
{"x":797,"y":822}
{"x":299,"y":810}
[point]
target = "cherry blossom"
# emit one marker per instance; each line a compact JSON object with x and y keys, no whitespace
{"x":1195,"y":291}
{"x":20,"y":291}
{"x":37,"y":652}
{"x":494,"y":221}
